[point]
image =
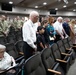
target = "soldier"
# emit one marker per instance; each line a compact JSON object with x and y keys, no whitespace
{"x":11,"y":26}
{"x":15,"y":23}
{"x":19,"y":23}
{"x":0,"y":26}
{"x":4,"y":27}
{"x":22,"y":21}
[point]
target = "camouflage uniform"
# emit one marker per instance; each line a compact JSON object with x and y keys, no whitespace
{"x":4,"y":27}
{"x":15,"y":24}
{"x":19,"y":24}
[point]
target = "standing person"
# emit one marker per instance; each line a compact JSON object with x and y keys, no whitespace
{"x":41,"y":44}
{"x":60,"y":32}
{"x":29,"y":35}
{"x":4,"y":27}
{"x":51,"y":30}
{"x":73,"y":31}
{"x":19,"y":23}
{"x":46,"y":35}
{"x":66,"y":26}
{"x":47,"y":17}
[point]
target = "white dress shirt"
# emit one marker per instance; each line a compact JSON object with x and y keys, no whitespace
{"x":6,"y":61}
{"x":58,"y":26}
{"x":35,"y":26}
{"x":29,"y":34}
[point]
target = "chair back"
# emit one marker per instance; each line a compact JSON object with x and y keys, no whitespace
{"x":19,"y":46}
{"x":61,"y":46}
{"x":10,"y":49}
{"x":65,"y":42}
{"x":47,"y":58}
{"x":3,"y":40}
{"x":11,"y":39}
{"x":34,"y":65}
{"x":55,"y":51}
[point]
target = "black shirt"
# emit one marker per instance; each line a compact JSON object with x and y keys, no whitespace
{"x":40,"y":39}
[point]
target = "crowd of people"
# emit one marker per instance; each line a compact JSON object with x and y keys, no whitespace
{"x":6,"y":24}
{"x":38,"y":35}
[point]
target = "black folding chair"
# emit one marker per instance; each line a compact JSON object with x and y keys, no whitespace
{"x":19,"y":47}
{"x":50,"y":63}
{"x":64,"y":60}
{"x":10,"y":48}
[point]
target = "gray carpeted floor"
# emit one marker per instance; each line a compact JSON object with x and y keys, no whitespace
{"x":72,"y":70}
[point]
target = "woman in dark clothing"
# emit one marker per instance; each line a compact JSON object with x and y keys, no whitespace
{"x":46,"y":35}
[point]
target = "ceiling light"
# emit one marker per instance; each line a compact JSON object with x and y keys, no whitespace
{"x":44,"y":3}
{"x":74,"y":2}
{"x":36,"y":6}
{"x":56,"y":8}
{"x":64,"y":6}
{"x":10,"y":2}
{"x":74,"y":10}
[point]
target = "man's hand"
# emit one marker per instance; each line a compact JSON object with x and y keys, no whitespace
{"x":66,"y":36}
{"x":62,"y":37}
{"x":35,"y":49}
{"x":45,"y":46}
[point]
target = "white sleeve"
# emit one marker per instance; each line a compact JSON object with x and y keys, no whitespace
{"x":5,"y":62}
{"x":55,"y":27}
{"x":14,"y":63}
{"x":26,"y":34}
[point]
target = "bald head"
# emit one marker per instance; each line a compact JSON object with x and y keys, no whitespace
{"x":34,"y":16}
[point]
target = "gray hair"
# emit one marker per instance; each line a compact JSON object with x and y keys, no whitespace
{"x":33,"y":13}
{"x":2,"y":46}
{"x":59,"y":18}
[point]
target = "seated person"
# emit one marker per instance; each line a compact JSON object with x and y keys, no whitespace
{"x":6,"y":61}
{"x":41,"y":44}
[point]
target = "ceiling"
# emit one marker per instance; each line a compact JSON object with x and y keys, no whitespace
{"x":51,"y":4}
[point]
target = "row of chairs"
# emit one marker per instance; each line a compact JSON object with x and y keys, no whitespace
{"x":15,"y":50}
{"x":11,"y":38}
{"x":55,"y":60}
